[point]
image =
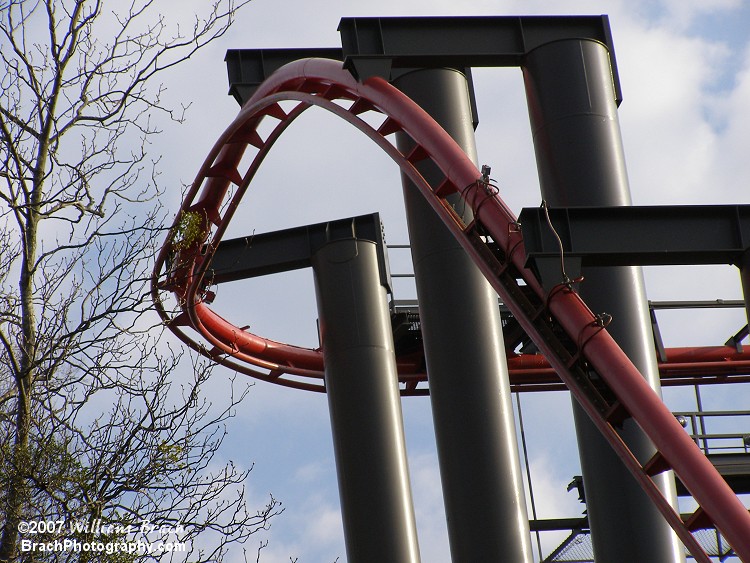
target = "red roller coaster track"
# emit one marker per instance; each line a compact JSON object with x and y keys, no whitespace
{"x":573,"y":340}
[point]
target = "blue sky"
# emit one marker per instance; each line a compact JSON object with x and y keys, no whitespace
{"x":685,"y":72}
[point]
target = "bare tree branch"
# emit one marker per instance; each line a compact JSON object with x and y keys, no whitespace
{"x":94,"y":422}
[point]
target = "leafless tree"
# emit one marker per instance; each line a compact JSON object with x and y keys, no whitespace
{"x":97,"y":423}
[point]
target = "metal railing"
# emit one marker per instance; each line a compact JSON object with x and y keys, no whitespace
{"x":697,"y":424}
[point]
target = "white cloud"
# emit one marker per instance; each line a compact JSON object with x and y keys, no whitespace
{"x":314,"y":534}
{"x":670,"y":142}
{"x":429,"y":511}
{"x":682,"y":13}
{"x":311,"y":472}
{"x":552,"y":499}
{"x":733,"y":167}
{"x":684,"y":119}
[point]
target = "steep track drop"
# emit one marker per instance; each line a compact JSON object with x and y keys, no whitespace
{"x":572,"y":338}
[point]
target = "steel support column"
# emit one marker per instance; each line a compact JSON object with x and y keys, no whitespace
{"x":744,"y":266}
{"x":365,"y":409}
{"x":467,"y":372}
{"x":581,"y":163}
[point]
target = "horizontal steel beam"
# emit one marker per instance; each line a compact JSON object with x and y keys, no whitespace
{"x":375,"y":46}
{"x":559,"y":524}
{"x":734,"y":467}
{"x":633,"y":236}
{"x":292,"y":249}
{"x":248,"y":68}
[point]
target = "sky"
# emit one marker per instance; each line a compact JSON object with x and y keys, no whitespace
{"x":685,"y":71}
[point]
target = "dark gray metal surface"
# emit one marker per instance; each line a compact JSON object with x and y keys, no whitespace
{"x":637,"y":236}
{"x":581,"y":163}
{"x":744,"y":266}
{"x":291,"y":249}
{"x":640,"y":236}
{"x":375,"y":46}
{"x":365,"y":409}
{"x":469,"y":389}
{"x":247,"y":68}
{"x":733,"y":467}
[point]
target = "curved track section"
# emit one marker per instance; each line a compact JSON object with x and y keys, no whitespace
{"x":573,"y":339}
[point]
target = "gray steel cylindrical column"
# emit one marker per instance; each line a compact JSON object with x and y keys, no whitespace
{"x":581,"y":162}
{"x":470,"y":396}
{"x":365,"y":409}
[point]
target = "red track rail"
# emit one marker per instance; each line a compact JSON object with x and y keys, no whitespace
{"x":571,"y":337}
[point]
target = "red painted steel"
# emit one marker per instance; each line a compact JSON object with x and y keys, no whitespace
{"x":318,"y":82}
